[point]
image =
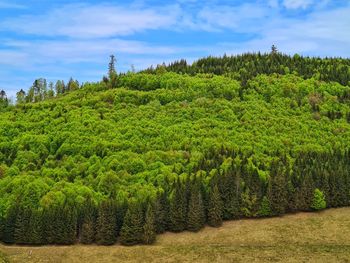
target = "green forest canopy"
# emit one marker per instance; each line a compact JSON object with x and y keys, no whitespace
{"x":119,"y":144}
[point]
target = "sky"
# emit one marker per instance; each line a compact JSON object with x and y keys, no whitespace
{"x":63,"y":39}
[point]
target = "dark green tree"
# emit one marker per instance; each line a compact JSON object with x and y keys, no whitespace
{"x":215,"y":207}
{"x":132,"y":229}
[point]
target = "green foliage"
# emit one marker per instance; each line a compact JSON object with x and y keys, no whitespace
{"x":318,"y":202}
{"x":149,"y":228}
{"x":72,"y":163}
{"x":265,"y":209}
{"x":106,"y":223}
{"x":133,"y":230}
{"x":215,"y":207}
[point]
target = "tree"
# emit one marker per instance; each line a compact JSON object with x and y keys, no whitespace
{"x":215,"y":207}
{"x":20,"y":96}
{"x":161,"y":210}
{"x":277,"y":190}
{"x":318,"y":202}
{"x":274,"y":50}
{"x":265,"y":209}
{"x":112,"y":73}
{"x":177,"y":211}
{"x":106,"y":223}
{"x":149,"y":229}
{"x":22,"y":225}
{"x":88,"y":228}
{"x":10,"y":225}
{"x":195,"y":215}
{"x":132,"y":231}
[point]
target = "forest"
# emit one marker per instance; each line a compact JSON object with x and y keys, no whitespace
{"x":174,"y":148}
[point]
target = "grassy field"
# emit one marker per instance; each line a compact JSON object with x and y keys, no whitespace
{"x":303,"y":237}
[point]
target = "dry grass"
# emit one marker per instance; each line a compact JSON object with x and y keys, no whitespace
{"x":304,"y":237}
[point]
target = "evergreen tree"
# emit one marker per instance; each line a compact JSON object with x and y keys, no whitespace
{"x":178,"y":208}
{"x":10,"y":225}
{"x":35,"y":233}
{"x":88,"y":229}
{"x":149,"y":228}
{"x":161,"y":210}
{"x":196,"y":214}
{"x":215,"y":207}
{"x":132,"y":232}
{"x":277,"y":190}
{"x":106,"y":223}
{"x":22,"y":225}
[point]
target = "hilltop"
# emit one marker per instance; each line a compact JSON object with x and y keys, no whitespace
{"x":143,"y":153}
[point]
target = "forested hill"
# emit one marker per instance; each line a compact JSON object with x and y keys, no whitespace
{"x":138,"y":154}
{"x":246,"y":66}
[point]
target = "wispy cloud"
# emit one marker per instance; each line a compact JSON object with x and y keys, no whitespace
{"x":92,"y":21}
{"x":295,"y":4}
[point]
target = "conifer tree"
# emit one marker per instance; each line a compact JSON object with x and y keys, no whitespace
{"x":132,"y":229}
{"x":35,"y":233}
{"x":89,"y":223}
{"x":178,"y":208}
{"x":277,"y":190}
{"x":149,"y":229}
{"x":106,"y":223}
{"x":22,"y":225}
{"x":161,"y":210}
{"x":214,"y":207}
{"x":10,"y":224}
{"x":196,"y":214}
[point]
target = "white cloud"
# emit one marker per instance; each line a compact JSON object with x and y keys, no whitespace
{"x":296,"y":4}
{"x":91,"y":21}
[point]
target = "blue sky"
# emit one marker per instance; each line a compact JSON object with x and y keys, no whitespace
{"x":63,"y":39}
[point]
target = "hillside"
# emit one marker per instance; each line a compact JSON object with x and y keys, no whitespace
{"x":139,"y":154}
{"x":303,"y":237}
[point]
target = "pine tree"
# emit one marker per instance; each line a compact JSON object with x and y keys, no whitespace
{"x":35,"y":233}
{"x":22,"y":225}
{"x":132,"y":229}
{"x":10,"y":224}
{"x":178,"y":208}
{"x":277,"y":191}
{"x":215,"y":207}
{"x":88,"y":227}
{"x":106,"y":223}
{"x":196,"y":214}
{"x":149,"y":228}
{"x":161,"y":210}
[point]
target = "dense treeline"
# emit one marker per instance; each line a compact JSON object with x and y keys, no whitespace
{"x":138,"y":154}
{"x":225,"y":185}
{"x":246,"y":66}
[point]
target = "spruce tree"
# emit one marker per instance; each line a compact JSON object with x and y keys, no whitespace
{"x":10,"y":224}
{"x":196,"y":214}
{"x":22,"y":225}
{"x":35,"y":233}
{"x":132,"y":229}
{"x":149,"y":228}
{"x":106,"y":223}
{"x":161,"y":210}
{"x":178,"y":208}
{"x":214,"y":207}
{"x":88,"y":227}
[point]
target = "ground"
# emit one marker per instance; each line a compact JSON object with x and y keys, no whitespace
{"x":302,"y":237}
